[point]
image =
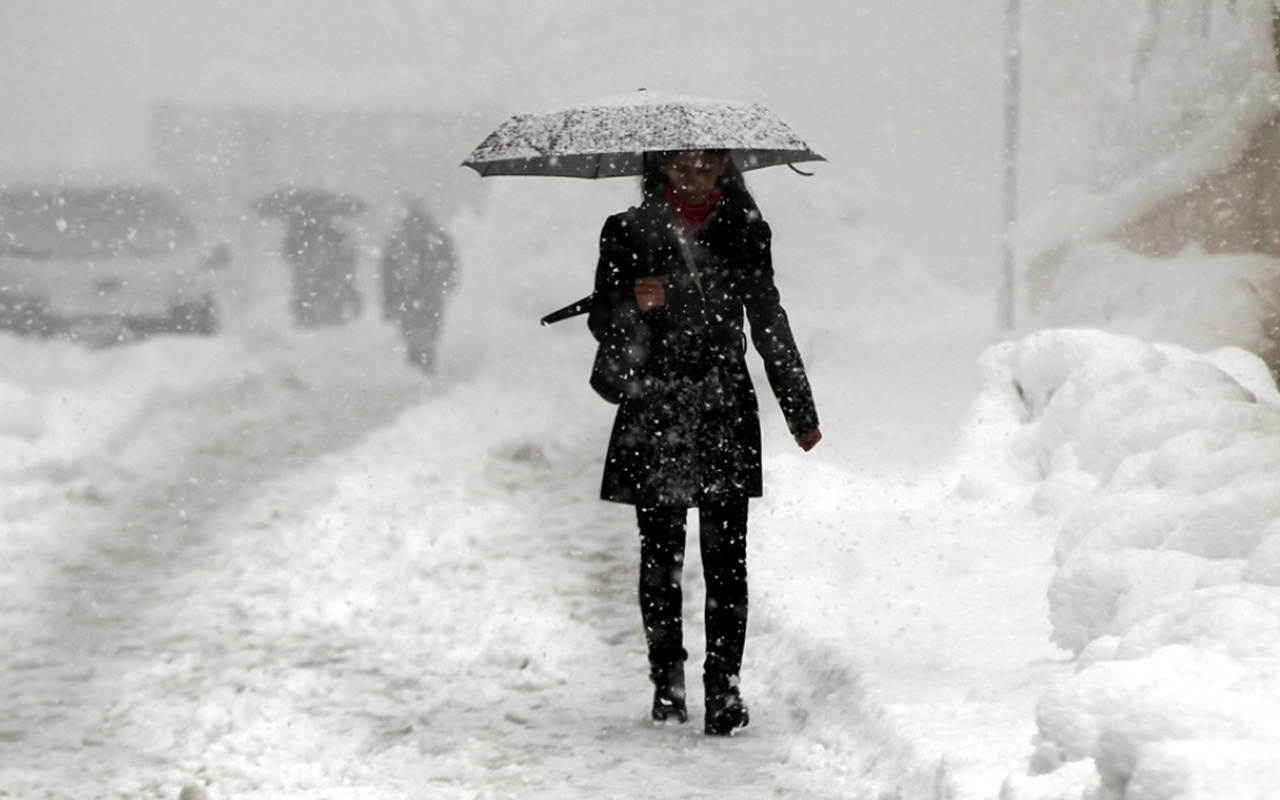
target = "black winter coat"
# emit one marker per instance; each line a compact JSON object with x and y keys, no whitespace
{"x":689,"y":425}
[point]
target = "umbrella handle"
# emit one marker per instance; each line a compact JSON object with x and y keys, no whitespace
{"x":800,"y":171}
{"x":572,"y":310}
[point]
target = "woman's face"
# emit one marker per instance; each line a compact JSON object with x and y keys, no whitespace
{"x":693,"y":175}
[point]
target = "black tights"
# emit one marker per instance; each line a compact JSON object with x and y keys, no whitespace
{"x":723,"y":525}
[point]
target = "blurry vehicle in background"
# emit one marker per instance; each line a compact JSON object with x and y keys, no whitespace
{"x":104,"y":264}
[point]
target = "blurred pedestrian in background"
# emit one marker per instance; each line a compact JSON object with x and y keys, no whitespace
{"x":324,"y":268}
{"x":320,"y":253}
{"x":419,"y":270}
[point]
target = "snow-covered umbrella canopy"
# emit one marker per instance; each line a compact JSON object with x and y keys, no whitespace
{"x":606,"y":138}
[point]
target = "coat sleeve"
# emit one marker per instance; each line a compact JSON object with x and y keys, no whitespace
{"x":613,"y":306}
{"x":771,"y":331}
{"x":614,"y":318}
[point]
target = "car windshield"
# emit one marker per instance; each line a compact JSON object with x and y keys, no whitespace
{"x":98,"y":221}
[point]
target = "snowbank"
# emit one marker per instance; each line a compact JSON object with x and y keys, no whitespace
{"x":1162,"y":468}
{"x":1200,"y":81}
{"x":62,"y":405}
{"x":1199,"y":301}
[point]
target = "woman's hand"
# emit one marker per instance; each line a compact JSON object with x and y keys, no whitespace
{"x":651,"y":292}
{"x":809,"y":439}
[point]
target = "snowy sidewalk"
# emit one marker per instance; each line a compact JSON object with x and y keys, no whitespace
{"x":454,"y":624}
{"x":280,"y":607}
{"x":106,"y":563}
{"x":437,"y":605}
{"x":930,"y":590}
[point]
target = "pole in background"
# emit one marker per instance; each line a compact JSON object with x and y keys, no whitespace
{"x":1012,"y":96}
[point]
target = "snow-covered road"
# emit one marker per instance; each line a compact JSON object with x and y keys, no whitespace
{"x":302,"y":583}
{"x":306,"y":581}
{"x":219,"y":605}
{"x":284,"y":565}
{"x":119,"y":581}
{"x":278,"y":564}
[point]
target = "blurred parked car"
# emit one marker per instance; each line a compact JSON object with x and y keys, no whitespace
{"x":104,"y":264}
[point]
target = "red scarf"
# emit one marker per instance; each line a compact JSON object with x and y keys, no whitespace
{"x":691,"y":216}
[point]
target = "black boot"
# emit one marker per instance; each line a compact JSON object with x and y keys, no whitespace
{"x":725,"y":710}
{"x":668,"y":693}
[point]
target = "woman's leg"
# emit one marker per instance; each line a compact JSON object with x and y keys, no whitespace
{"x":662,"y":542}
{"x":723,"y":523}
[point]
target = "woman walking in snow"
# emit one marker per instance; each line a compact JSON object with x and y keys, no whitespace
{"x":675,"y":276}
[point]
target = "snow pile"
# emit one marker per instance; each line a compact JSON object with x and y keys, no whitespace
{"x":1198,"y":301}
{"x":1201,"y":79}
{"x":1199,"y":68}
{"x":62,"y":404}
{"x":1163,"y":468}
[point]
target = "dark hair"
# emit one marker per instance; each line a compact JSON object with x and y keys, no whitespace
{"x":654,"y":177}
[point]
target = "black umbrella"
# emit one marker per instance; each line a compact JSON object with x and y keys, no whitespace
{"x":607,"y":138}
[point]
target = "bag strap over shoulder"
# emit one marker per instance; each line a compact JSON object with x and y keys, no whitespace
{"x":687,"y":251}
{"x":692,"y":264}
